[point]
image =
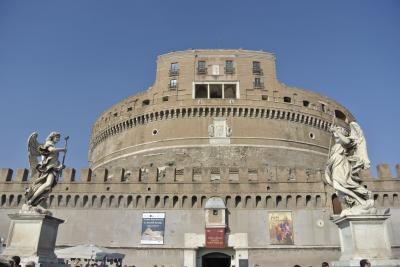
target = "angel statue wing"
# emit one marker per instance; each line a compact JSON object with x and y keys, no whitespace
{"x":33,"y":152}
{"x":361,"y":145}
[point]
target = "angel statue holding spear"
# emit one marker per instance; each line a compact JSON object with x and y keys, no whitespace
{"x":45,"y":173}
{"x":347,"y":158}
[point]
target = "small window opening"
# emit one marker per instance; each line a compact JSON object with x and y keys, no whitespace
{"x":230,"y":91}
{"x":264,"y":97}
{"x":340,"y":115}
{"x":258,"y":84}
{"x":145,"y":102}
{"x":200,"y":91}
{"x":257,"y":68}
{"x":165,"y":98}
{"x":173,"y":84}
{"x":229,"y":69}
{"x":115,"y":114}
{"x":306,"y":103}
{"x":174,"y":70}
{"x":323,"y":107}
{"x":215,"y":212}
{"x":287,"y":99}
{"x":215,"y":90}
{"x":201,"y":67}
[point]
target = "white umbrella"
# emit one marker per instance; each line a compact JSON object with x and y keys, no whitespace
{"x":88,"y":252}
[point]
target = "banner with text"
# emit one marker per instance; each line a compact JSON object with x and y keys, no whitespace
{"x":215,"y":237}
{"x":153,"y":227}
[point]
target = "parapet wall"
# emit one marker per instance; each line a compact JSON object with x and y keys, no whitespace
{"x":170,"y":174}
{"x":189,"y":188}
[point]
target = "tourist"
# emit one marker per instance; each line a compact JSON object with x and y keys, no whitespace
{"x":15,"y":260}
{"x":365,"y":263}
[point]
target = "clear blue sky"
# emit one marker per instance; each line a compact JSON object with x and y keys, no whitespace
{"x":63,"y":62}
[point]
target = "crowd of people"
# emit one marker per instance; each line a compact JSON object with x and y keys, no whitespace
{"x":14,"y":262}
{"x":363,"y":263}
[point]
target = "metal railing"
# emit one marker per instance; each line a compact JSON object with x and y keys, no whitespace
{"x":173,"y":72}
{"x":257,"y":71}
{"x":258,"y":85}
{"x":201,"y":70}
{"x":229,"y":70}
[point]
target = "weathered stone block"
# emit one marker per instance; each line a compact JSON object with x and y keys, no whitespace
{"x":21,"y":175}
{"x":69,"y":175}
{"x":100,"y":175}
{"x":117,"y":174}
{"x":384,"y":171}
{"x":85,"y":175}
{"x":33,"y":238}
{"x":6,"y":175}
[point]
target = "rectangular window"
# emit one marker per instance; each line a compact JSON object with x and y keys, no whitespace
{"x":215,"y":90}
{"x":175,"y":66}
{"x":201,"y":91}
{"x":174,"y":70}
{"x":201,"y":67}
{"x":258,"y":84}
{"x":229,"y":90}
{"x":229,"y":69}
{"x":173,"y":84}
{"x":257,"y":67}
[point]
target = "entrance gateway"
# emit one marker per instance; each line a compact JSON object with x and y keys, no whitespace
{"x":196,"y":254}
{"x":216,"y":259}
{"x":215,"y":247}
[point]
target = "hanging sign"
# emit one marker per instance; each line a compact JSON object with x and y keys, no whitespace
{"x":215,"y":237}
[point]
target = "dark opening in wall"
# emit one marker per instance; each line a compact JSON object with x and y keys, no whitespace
{"x":230,"y":91}
{"x":340,"y":115}
{"x":115,"y":114}
{"x":200,"y":91}
{"x":306,"y":103}
{"x":337,"y":207}
{"x":323,"y":108}
{"x":165,"y":98}
{"x":264,"y":97}
{"x":287,"y":99}
{"x":145,"y":102}
{"x":129,"y":109}
{"x":215,"y":90}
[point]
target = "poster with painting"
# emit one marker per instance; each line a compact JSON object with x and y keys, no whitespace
{"x":281,"y":228}
{"x":153,"y":226}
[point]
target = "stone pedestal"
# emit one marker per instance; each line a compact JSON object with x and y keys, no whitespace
{"x":364,"y":237}
{"x":32,"y":236}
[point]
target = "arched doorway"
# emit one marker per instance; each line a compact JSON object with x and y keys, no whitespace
{"x":216,"y":259}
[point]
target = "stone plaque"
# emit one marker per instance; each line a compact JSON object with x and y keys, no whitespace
{"x":219,"y":132}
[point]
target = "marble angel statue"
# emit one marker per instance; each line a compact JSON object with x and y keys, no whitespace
{"x":44,"y":173}
{"x":347,"y":158}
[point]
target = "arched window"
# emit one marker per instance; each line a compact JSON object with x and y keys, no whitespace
{"x":145,"y":102}
{"x":340,"y":115}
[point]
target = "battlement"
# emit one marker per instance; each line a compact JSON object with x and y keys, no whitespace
{"x":171,"y":174}
{"x":152,"y":187}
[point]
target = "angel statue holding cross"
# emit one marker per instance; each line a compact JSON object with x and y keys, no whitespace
{"x":347,"y":158}
{"x":46,"y":172}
